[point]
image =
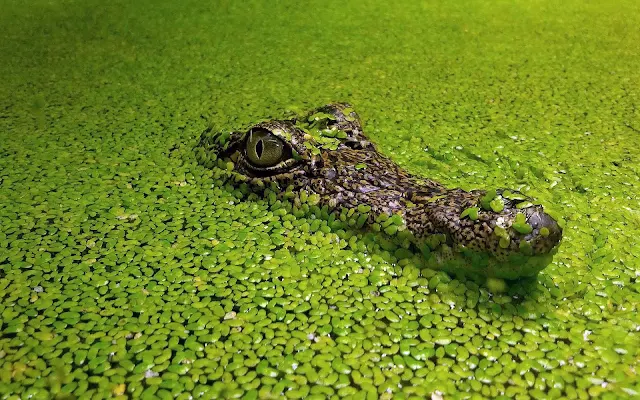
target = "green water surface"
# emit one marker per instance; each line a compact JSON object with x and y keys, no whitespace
{"x":127,"y":270}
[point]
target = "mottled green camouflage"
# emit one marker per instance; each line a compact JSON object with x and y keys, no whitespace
{"x":328,"y":162}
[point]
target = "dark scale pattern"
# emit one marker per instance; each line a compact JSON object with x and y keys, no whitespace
{"x":348,"y":172}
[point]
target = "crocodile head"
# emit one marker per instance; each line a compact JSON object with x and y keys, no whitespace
{"x":324,"y":159}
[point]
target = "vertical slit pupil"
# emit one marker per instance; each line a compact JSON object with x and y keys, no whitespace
{"x":259,"y":148}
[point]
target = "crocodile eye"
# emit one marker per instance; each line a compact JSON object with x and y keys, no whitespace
{"x":264,"y":149}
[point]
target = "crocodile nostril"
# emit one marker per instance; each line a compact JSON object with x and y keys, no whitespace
{"x":539,"y":220}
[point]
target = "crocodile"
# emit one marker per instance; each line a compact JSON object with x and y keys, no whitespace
{"x":323,"y":159}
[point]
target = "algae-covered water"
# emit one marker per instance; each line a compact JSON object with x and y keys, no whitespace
{"x":127,"y":270}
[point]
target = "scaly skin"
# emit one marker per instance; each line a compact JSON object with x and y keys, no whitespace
{"x":330,"y":163}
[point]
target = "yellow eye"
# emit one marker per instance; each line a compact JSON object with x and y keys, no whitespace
{"x":264,"y":149}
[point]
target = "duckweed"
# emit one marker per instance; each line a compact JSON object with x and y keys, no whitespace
{"x":521,"y":226}
{"x":129,"y":270}
{"x":471,"y":212}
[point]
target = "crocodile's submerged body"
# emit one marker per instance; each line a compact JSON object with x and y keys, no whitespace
{"x":324,"y":159}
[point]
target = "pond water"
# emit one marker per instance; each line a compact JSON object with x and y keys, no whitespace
{"x":127,"y":269}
